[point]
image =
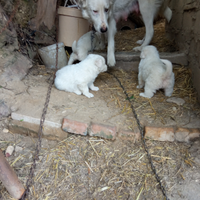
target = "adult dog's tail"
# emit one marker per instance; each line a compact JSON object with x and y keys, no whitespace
{"x":165,"y":10}
{"x":168,"y":67}
{"x":168,"y":14}
{"x":73,"y":55}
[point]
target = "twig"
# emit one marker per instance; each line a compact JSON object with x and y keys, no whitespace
{"x":93,"y":148}
{"x":89,"y":166}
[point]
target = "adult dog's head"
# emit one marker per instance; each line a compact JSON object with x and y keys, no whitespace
{"x":97,"y":12}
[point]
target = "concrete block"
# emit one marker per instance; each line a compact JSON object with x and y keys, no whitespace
{"x":23,"y":124}
{"x":130,"y":60}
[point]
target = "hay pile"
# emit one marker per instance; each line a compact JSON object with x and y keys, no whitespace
{"x":126,"y":40}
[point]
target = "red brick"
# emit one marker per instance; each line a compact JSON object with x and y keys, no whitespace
{"x":181,"y":134}
{"x":103,"y":131}
{"x":129,"y":135}
{"x":161,"y":134}
{"x":193,"y":135}
{"x":76,"y":127}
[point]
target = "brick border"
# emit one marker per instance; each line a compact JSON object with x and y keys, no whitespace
{"x":170,"y":134}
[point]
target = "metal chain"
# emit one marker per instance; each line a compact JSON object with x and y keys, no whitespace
{"x":142,"y":136}
{"x":92,"y":39}
{"x":29,"y":181}
{"x":11,"y":17}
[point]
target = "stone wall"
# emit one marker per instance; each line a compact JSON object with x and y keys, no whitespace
{"x":184,"y":29}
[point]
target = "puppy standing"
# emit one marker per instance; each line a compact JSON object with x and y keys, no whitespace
{"x":79,"y":78}
{"x":84,"y":45}
{"x":154,"y":73}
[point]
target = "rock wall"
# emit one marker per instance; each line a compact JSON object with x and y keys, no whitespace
{"x":184,"y":29}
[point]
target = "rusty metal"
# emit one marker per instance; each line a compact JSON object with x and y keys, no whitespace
{"x":11,"y":17}
{"x":10,"y":179}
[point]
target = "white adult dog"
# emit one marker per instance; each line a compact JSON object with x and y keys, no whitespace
{"x":104,"y":14}
{"x":86,"y":44}
{"x":78,"y":78}
{"x":154,"y":73}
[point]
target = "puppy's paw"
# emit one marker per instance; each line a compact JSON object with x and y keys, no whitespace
{"x":89,"y":95}
{"x":137,"y":48}
{"x":139,"y":86}
{"x":143,"y":95}
{"x":168,"y":92}
{"x":77,"y":92}
{"x":94,"y":88}
{"x":139,"y":42}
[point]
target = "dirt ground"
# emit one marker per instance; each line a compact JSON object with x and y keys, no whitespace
{"x":93,"y":168}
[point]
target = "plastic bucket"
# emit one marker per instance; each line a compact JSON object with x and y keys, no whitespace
{"x":71,"y":25}
{"x":48,"y":55}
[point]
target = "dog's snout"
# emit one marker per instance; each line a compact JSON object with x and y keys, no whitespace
{"x":103,"y":29}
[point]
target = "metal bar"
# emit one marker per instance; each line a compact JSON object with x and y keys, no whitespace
{"x":10,"y":179}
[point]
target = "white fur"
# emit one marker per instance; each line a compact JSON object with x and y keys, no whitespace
{"x":104,"y":14}
{"x":79,"y":78}
{"x":154,"y":73}
{"x":84,"y":45}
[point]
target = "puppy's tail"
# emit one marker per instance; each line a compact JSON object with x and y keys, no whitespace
{"x":73,"y":55}
{"x":168,"y":67}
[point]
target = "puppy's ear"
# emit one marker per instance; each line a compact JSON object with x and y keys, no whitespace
{"x":98,"y":62}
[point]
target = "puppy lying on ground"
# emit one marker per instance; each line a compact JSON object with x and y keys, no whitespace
{"x":84,"y":45}
{"x":154,"y":73}
{"x":79,"y":78}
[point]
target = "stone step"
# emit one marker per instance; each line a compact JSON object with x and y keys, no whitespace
{"x":130,"y":60}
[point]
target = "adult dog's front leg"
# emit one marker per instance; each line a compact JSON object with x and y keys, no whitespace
{"x":148,"y":12}
{"x":111,"y":43}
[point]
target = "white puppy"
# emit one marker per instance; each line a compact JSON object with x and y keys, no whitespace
{"x":154,"y":73}
{"x":79,"y":78}
{"x":85,"y":44}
